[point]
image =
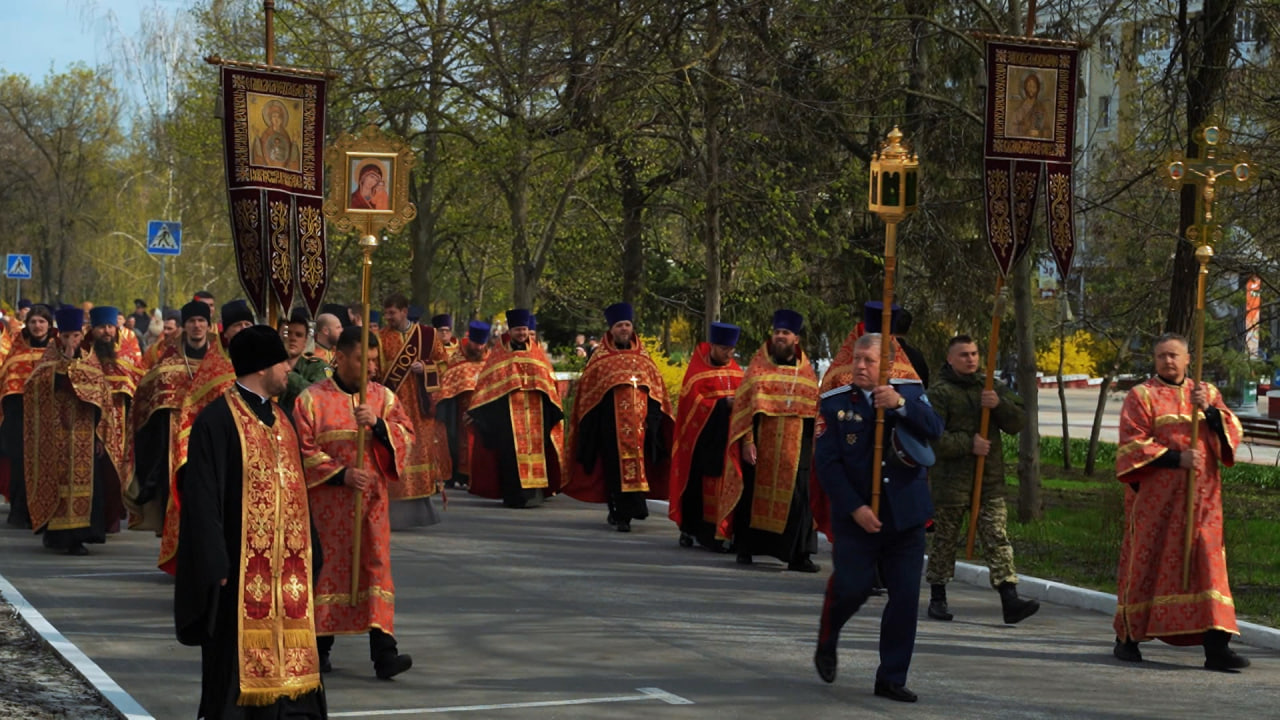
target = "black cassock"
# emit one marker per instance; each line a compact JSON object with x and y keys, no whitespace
{"x":798,"y":539}
{"x":491,"y":423}
{"x":206,"y":613}
{"x":598,"y":442}
{"x":707,"y":461}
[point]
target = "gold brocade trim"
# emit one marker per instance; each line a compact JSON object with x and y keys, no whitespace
{"x":332,"y":435}
{"x":317,"y":459}
{"x":344,"y":599}
{"x":1183,"y":599}
{"x":277,"y":655}
{"x":324,"y":479}
{"x":1175,"y":419}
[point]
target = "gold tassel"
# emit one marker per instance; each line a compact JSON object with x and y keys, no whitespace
{"x":259,"y":697}
{"x":258,"y":640}
{"x":299,"y":639}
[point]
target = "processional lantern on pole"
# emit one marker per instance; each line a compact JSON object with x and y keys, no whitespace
{"x":893,"y":195}
{"x":368,"y":192}
{"x":1206,"y":173}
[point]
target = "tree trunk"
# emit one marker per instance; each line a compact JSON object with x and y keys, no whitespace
{"x":1030,"y":505}
{"x":633,"y":200}
{"x":1062,"y":389}
{"x":1206,"y":75}
{"x":1095,"y":433}
{"x":711,"y":236}
{"x":423,"y":235}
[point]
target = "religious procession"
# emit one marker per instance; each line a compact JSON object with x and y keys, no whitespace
{"x":301,"y":456}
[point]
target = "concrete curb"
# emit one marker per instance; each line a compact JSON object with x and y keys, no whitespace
{"x":1058,"y":593}
{"x":121,"y":701}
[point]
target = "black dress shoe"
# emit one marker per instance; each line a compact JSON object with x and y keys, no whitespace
{"x":78,"y":550}
{"x":392,"y":667}
{"x":1127,"y":651}
{"x":325,"y":665}
{"x":612,"y":519}
{"x":744,"y":559}
{"x":824,"y":659}
{"x":899,"y":693}
{"x":805,"y":566}
{"x":686,"y":540}
{"x":1225,"y":660}
{"x":623,"y":525}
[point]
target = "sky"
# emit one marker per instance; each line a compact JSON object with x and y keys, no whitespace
{"x":37,"y":36}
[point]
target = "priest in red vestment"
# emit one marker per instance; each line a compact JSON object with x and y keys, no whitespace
{"x":27,"y":351}
{"x":72,"y":484}
{"x":108,"y":355}
{"x":190,"y":374}
{"x":621,"y":429}
{"x":409,"y":354}
{"x":457,"y":387}
{"x":764,"y":493}
{"x":702,"y":433}
{"x":243,"y":591}
{"x":516,"y":413}
{"x":1153,"y":459}
{"x":330,"y":418}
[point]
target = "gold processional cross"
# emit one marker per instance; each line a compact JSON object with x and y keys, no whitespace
{"x":1207,"y":173}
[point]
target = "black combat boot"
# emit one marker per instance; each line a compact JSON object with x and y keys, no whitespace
{"x":1016,"y":609}
{"x":1217,"y":656}
{"x":938,"y":602}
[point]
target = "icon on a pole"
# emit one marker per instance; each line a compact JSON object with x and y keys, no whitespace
{"x":17,"y":267}
{"x":164,"y":237}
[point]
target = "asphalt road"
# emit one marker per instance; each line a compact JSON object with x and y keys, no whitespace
{"x":548,"y":613}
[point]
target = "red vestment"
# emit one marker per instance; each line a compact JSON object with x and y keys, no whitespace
{"x":458,"y":383}
{"x":784,"y":396}
{"x":523,"y":380}
{"x":66,"y":417}
{"x":428,"y":463}
{"x":122,"y":381}
{"x":183,"y":387}
{"x":1151,"y":601}
{"x":704,"y":385}
{"x":631,"y":378}
{"x":325,"y":417}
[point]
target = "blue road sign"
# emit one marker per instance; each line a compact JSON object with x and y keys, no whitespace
{"x":164,"y":237}
{"x":17,"y":267}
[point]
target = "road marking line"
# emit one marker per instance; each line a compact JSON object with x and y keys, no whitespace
{"x":115,"y":695}
{"x":645,"y":694}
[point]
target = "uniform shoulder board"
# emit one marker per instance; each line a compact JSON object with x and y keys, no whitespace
{"x":837,"y":391}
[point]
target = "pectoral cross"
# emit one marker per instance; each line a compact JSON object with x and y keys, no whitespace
{"x":1207,"y":174}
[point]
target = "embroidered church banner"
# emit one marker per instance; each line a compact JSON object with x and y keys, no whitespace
{"x":273,"y":134}
{"x":1030,"y":134}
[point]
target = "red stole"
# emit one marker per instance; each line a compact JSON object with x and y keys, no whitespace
{"x":704,"y":385}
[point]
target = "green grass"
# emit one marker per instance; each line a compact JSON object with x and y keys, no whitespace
{"x":1078,"y":539}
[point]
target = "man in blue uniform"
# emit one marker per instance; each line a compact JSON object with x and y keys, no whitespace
{"x":894,"y":539}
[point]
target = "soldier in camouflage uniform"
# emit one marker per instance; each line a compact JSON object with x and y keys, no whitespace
{"x":959,"y":398}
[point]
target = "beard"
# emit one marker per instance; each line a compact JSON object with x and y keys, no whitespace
{"x":782,"y":351}
{"x":104,"y":349}
{"x":622,"y":341}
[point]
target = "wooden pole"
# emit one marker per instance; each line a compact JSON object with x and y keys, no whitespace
{"x":1203,"y":254}
{"x":367,"y":245}
{"x":984,"y":425}
{"x":269,"y":7}
{"x":886,"y":355}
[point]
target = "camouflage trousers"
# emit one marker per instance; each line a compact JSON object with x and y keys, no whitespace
{"x":992,"y":539}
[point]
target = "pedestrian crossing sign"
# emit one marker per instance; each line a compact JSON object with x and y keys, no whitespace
{"x":17,"y":267}
{"x":164,"y":237}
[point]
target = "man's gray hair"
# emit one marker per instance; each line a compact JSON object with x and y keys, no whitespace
{"x":866,"y":341}
{"x":1171,"y":336}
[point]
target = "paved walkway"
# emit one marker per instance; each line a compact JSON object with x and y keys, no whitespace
{"x":547,"y":613}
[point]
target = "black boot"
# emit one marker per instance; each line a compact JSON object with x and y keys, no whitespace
{"x":1217,"y":656}
{"x":1016,"y":609}
{"x":938,"y":602}
{"x":1127,"y":651}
